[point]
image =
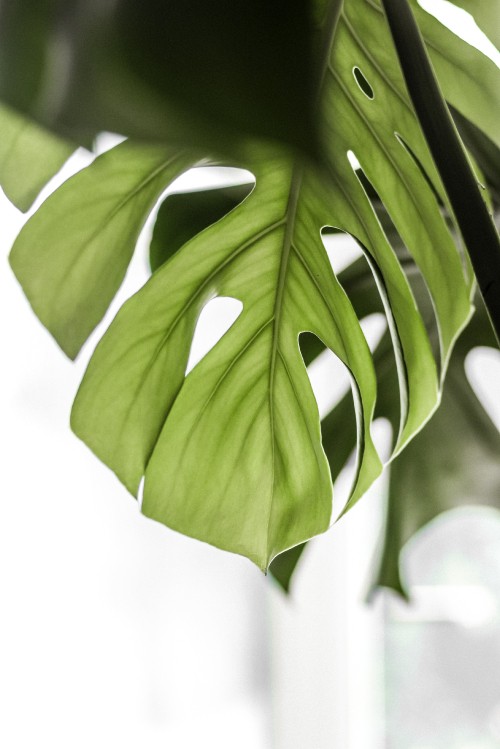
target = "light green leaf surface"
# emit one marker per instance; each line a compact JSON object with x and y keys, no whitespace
{"x":72,"y":255}
{"x":29,"y":157}
{"x":245,"y":416}
{"x":231,"y":453}
{"x":454,"y":461}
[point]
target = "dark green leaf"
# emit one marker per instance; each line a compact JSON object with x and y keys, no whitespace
{"x":196,"y":72}
{"x":183,"y":215}
{"x":284,"y":566}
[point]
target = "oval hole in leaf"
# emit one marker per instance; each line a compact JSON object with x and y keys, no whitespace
{"x":482,"y":367}
{"x":215,"y":319}
{"x":383,"y":437}
{"x":211,"y":178}
{"x":363,"y":83}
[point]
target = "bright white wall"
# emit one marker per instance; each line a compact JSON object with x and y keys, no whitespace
{"x":115,"y":631}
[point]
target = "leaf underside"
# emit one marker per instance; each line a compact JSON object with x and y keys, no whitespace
{"x":232,"y":453}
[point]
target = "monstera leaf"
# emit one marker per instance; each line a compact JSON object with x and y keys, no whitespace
{"x":455,"y":460}
{"x":231,"y":453}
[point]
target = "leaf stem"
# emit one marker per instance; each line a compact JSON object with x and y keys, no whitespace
{"x":471,"y":212}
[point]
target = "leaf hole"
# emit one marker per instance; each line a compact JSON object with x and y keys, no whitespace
{"x":405,"y":259}
{"x":363,"y":83}
{"x":382,"y":437}
{"x":482,"y":367}
{"x":374,"y":327}
{"x":328,"y":375}
{"x":215,"y":319}
{"x":341,"y":248}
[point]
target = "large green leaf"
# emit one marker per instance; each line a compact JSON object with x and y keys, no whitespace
{"x":29,"y":157}
{"x":468,"y":78}
{"x":455,"y":460}
{"x":471,"y":211}
{"x":245,"y":416}
{"x":231,"y":453}
{"x":471,"y":82}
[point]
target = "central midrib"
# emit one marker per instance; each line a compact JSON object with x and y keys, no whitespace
{"x":289,"y":219}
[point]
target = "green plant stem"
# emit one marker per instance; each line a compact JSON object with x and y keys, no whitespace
{"x":471,"y":212}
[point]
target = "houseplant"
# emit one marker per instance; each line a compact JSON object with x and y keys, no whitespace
{"x":232,"y":453}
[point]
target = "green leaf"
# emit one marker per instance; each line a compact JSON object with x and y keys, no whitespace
{"x":338,"y":428}
{"x":486,"y":154}
{"x":470,"y":81}
{"x":284,"y":565}
{"x":29,"y":157}
{"x":454,"y":460}
{"x":246,"y":415}
{"x":467,"y":77}
{"x":231,"y":453}
{"x":72,"y":255}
